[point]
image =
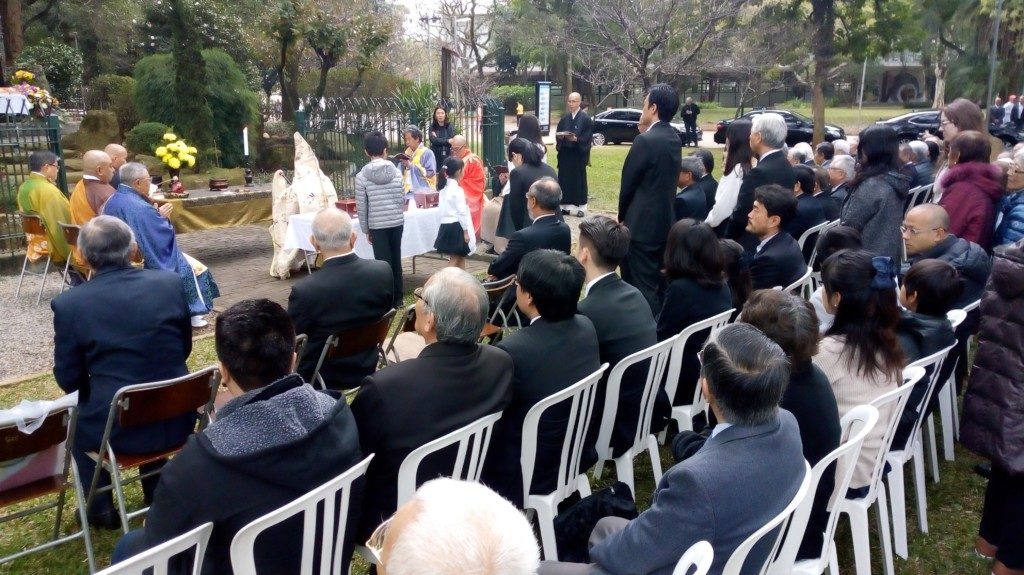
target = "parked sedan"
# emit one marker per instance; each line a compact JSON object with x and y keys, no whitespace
{"x":801,"y":128}
{"x":620,"y":125}
{"x":913,"y":126}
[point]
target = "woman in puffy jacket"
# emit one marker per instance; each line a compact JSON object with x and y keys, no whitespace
{"x":972,"y":188}
{"x":1010,"y":215}
{"x":993,"y":420}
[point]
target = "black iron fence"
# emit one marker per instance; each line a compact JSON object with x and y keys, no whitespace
{"x":21,"y":133}
{"x":335,"y":129}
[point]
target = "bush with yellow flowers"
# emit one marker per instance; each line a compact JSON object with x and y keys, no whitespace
{"x":175,"y":153}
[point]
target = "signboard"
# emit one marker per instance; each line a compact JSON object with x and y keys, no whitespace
{"x":544,"y":106}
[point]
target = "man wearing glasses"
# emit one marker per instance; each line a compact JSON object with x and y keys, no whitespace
{"x":926,"y":236}
{"x":39,"y":195}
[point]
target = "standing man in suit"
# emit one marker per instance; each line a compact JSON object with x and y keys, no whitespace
{"x":767,"y":137}
{"x":777,"y":258}
{"x":623,"y":321}
{"x":124,"y":326}
{"x":689,"y":114}
{"x":690,"y":201}
{"x":708,"y":183}
{"x":548,"y":231}
{"x":744,"y":475}
{"x":572,"y":141}
{"x":452,"y":383}
{"x":647,"y":192}
{"x":547,"y":288}
{"x":346,"y":292}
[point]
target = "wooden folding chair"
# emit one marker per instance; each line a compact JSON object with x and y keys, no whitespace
{"x":34,"y":225}
{"x":498,"y":293}
{"x":355,"y":341}
{"x":57,"y":432}
{"x":70,"y":233}
{"x":408,"y":325}
{"x":143,"y":404}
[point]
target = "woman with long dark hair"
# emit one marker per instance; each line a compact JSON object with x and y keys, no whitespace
{"x":529,"y":129}
{"x":695,"y":268}
{"x":528,"y":168}
{"x":440,"y":133}
{"x":860,"y":354}
{"x":960,"y":115}
{"x":972,"y":187}
{"x":738,"y":161}
{"x":878,"y":193}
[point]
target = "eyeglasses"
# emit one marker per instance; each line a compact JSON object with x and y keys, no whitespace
{"x":945,"y":123}
{"x":375,"y":544}
{"x":418,"y":294}
{"x":914,"y":232}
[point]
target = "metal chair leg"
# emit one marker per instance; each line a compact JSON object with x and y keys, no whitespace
{"x":21,"y":278}
{"x":42,"y":286}
{"x":64,"y":276}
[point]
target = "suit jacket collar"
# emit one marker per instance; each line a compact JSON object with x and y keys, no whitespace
{"x":340,"y":261}
{"x":738,"y":432}
{"x":448,"y":349}
{"x":110,"y":270}
{"x":606,"y":280}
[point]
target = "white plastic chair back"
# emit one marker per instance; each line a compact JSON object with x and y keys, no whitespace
{"x":972,"y":306}
{"x":803,"y":285}
{"x":475,"y":438}
{"x":890,"y":405}
{"x":917,"y":196}
{"x":956,"y":317}
{"x":658,"y":355}
{"x":332,"y":499}
{"x":675,"y":365}
{"x":813,"y":232}
{"x":158,"y":558}
{"x":814,"y":252}
{"x":854,"y":427}
{"x":582,"y":395}
{"x":931,"y":365}
{"x":699,"y":556}
{"x":779,"y":523}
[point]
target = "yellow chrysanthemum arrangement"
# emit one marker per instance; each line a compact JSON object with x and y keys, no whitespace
{"x":24,"y":76}
{"x":175,"y":153}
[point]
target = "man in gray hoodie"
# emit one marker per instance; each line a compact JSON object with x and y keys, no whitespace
{"x":380,"y":204}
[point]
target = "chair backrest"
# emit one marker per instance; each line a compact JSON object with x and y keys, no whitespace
{"x":890,"y":406}
{"x":854,"y":427}
{"x":360,"y":339}
{"x":814,"y":251}
{"x":32,"y":224}
{"x":497,"y":288}
{"x":408,"y":324}
{"x":675,"y":364}
{"x":58,"y":426}
{"x":657,"y":355}
{"x":932,"y":366}
{"x":326,"y":505}
{"x":582,"y":395}
{"x":917,"y":196}
{"x":475,"y":438}
{"x":778,"y":524}
{"x":956,"y":317}
{"x":300,"y":344}
{"x":811,"y":235}
{"x":699,"y":556}
{"x":146,"y":403}
{"x":499,"y":292}
{"x":972,"y":306}
{"x":804,"y":285}
{"x":158,"y":558}
{"x":70,"y":233}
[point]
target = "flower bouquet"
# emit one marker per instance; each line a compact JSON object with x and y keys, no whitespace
{"x":39,"y":101}
{"x":175,"y":154}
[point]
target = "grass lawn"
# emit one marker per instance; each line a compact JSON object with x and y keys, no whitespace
{"x":953,"y":505}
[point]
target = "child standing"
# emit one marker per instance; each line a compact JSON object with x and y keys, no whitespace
{"x":456,"y":225}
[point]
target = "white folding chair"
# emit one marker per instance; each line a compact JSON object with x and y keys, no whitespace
{"x":699,"y":556}
{"x":657,"y":356}
{"x":804,"y":285}
{"x":158,"y":558}
{"x":330,"y":501}
{"x":947,"y":400}
{"x":778,"y":524}
{"x":855,"y":426}
{"x":570,"y":477}
{"x":889,"y":406}
{"x":812,"y":234}
{"x":814,"y":252}
{"x":474,"y":438}
{"x":917,"y":196}
{"x":913,"y":450}
{"x":684,"y":414}
{"x":33,"y":224}
{"x":953,"y":407}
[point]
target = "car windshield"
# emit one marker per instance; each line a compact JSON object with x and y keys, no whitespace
{"x":911,"y":116}
{"x":801,"y":117}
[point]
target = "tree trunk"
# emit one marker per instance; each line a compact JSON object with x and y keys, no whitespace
{"x":14,"y":39}
{"x":193,"y":118}
{"x":321,"y":86}
{"x":939,"y":98}
{"x":823,"y":19}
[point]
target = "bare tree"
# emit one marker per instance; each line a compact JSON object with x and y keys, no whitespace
{"x":467,"y":26}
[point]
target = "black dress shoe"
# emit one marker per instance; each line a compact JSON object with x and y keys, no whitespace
{"x":108,"y":520}
{"x":984,"y":470}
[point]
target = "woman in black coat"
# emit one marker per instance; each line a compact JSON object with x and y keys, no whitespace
{"x":790,"y":322}
{"x":440,"y":133}
{"x":529,"y":168}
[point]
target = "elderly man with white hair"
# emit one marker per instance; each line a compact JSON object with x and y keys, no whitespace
{"x":767,"y":138}
{"x":801,"y":153}
{"x":840,"y":173}
{"x":841,"y":147}
{"x":924,"y":170}
{"x":456,"y":527}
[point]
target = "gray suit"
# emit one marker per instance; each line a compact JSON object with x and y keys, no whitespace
{"x":738,"y":481}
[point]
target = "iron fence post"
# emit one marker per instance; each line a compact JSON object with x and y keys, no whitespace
{"x":494,"y":139}
{"x":300,"y":122}
{"x":53,"y":135}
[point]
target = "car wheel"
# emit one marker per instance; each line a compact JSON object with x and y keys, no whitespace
{"x":598,"y":139}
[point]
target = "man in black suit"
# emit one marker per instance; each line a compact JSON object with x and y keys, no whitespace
{"x":346,"y":292}
{"x":452,"y":383}
{"x":708,"y":183}
{"x":548,"y":230}
{"x":809,"y":212}
{"x":840,"y":173}
{"x":124,"y":326}
{"x":823,"y":154}
{"x":623,"y":321}
{"x":690,"y":201}
{"x":767,"y":137}
{"x":777,"y":259}
{"x":647,"y":192}
{"x":556,"y":350}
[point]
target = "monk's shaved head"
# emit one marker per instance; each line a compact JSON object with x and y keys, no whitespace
{"x":93,"y":160}
{"x":458,"y":140}
{"x":118,"y":155}
{"x":934,"y":214}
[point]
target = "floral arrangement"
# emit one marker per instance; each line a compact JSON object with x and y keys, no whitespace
{"x":175,"y":153}
{"x":39,"y":100}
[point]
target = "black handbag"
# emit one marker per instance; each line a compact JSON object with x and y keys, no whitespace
{"x":573,"y":526}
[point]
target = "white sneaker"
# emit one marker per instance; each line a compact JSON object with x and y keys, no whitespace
{"x":198,"y":321}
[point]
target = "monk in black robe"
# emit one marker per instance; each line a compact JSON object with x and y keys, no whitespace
{"x":572,"y":140}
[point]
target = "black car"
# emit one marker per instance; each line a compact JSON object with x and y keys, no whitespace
{"x":913,"y":126}
{"x":801,"y":128}
{"x":620,"y":125}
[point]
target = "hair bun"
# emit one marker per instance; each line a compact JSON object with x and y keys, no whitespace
{"x":885,"y":273}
